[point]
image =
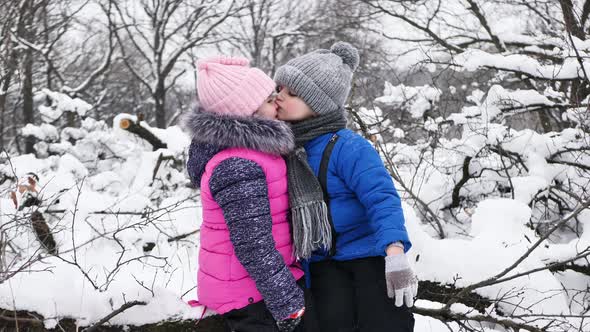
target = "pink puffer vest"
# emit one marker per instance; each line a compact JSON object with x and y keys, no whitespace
{"x":223,"y":283}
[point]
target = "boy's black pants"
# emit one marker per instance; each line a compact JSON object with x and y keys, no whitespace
{"x":352,"y":296}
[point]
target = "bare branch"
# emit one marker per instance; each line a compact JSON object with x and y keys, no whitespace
{"x":113,"y":314}
{"x":415,"y":24}
{"x":484,"y":22}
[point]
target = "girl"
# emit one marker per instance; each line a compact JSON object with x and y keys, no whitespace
{"x":348,"y":224}
{"x":247,"y":271}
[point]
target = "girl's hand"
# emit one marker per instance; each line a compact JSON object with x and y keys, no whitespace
{"x":290,"y":323}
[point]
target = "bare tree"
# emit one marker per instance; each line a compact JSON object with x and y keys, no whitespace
{"x":33,"y":48}
{"x":8,"y":60}
{"x":161,"y":32}
{"x":549,"y":22}
{"x":270,"y":31}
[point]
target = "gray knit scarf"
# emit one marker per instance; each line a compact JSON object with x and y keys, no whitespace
{"x":309,"y":213}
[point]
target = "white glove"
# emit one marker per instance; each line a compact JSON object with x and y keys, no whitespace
{"x":402,"y":283}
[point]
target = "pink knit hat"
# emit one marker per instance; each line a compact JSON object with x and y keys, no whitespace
{"x":227,"y":85}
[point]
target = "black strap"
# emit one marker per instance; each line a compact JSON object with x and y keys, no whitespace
{"x":323,"y":178}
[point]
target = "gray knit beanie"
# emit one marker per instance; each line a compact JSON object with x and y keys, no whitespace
{"x":321,"y":78}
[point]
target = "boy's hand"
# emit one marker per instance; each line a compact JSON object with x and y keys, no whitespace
{"x":402,"y":284}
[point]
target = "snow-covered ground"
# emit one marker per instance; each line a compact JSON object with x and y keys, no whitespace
{"x":116,"y":223}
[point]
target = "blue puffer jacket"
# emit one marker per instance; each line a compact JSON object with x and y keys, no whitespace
{"x":365,"y":206}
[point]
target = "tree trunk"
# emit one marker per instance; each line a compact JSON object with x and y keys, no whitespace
{"x":160,"y":101}
{"x":2,"y":120}
{"x":545,"y":120}
{"x":3,"y":98}
{"x":571,"y":21}
{"x":70,"y":120}
{"x":8,"y":71}
{"x":27,"y":94}
{"x":2,"y":111}
{"x":24,"y":30}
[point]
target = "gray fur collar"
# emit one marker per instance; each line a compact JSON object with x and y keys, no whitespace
{"x":271,"y":136}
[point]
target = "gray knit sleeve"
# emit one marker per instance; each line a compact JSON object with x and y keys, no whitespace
{"x":239,"y":187}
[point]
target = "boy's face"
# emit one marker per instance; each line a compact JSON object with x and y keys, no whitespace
{"x":268,"y":109}
{"x":291,"y":107}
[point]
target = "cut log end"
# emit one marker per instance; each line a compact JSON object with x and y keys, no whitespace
{"x":125,"y":123}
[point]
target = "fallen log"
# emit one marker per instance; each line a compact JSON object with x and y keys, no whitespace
{"x":33,"y":322}
{"x":437,"y":292}
{"x":43,"y":232}
{"x":137,"y":129}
